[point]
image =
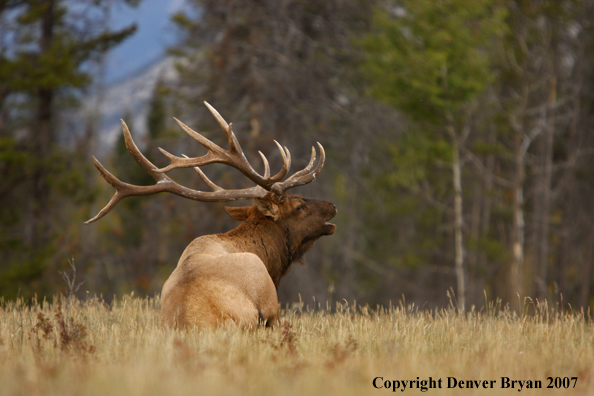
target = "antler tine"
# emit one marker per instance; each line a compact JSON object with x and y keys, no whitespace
{"x":124,"y":190}
{"x":177,"y":162}
{"x":309,"y":166}
{"x":116,"y":183}
{"x":286,"y":156}
{"x":304,"y":176}
{"x":218,"y":116}
{"x":266,"y":165}
{"x":205,"y":178}
{"x":140,"y":159}
{"x":233,"y":143}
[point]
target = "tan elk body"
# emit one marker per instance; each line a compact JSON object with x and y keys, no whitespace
{"x":233,"y":277}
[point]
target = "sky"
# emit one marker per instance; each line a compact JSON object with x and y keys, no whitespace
{"x":154,"y":34}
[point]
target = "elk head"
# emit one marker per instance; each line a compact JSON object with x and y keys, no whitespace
{"x":302,"y":221}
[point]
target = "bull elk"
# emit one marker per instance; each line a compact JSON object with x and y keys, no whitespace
{"x":233,"y":277}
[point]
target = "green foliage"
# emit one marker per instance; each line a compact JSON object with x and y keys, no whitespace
{"x":45,"y":60}
{"x":413,"y":157}
{"x":156,"y":122}
{"x":182,"y":20}
{"x":430,"y":58}
{"x":23,"y":267}
{"x":493,"y":250}
{"x":22,"y":274}
{"x":55,"y":65}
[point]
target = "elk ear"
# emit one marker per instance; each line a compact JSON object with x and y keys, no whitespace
{"x":267,"y":208}
{"x":240,"y":213}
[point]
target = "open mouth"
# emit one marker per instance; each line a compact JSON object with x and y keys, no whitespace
{"x":329,"y":227}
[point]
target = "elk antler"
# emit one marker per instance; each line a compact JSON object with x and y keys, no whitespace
{"x":233,"y":157}
{"x":304,"y":176}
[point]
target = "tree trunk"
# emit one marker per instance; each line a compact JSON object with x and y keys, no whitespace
{"x":458,"y":224}
{"x":42,"y":139}
{"x":586,"y":272}
{"x":517,"y":268}
{"x":544,"y":196}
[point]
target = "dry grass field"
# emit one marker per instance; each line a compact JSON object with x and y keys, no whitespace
{"x":92,"y":348}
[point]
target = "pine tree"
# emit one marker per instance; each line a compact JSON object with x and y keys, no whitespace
{"x":48,"y":47}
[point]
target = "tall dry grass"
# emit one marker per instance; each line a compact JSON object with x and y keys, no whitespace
{"x":93,"y":348}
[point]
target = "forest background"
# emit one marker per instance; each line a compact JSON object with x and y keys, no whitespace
{"x":459,"y":137}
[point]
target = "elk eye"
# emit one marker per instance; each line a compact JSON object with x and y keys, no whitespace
{"x":300,"y":208}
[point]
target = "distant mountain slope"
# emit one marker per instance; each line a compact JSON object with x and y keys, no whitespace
{"x":127,"y":98}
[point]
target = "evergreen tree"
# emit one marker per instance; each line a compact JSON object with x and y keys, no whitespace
{"x":47,"y":49}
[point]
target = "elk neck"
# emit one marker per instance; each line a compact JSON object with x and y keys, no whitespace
{"x":267,"y":240}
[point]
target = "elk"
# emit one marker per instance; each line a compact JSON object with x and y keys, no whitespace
{"x":233,"y":277}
